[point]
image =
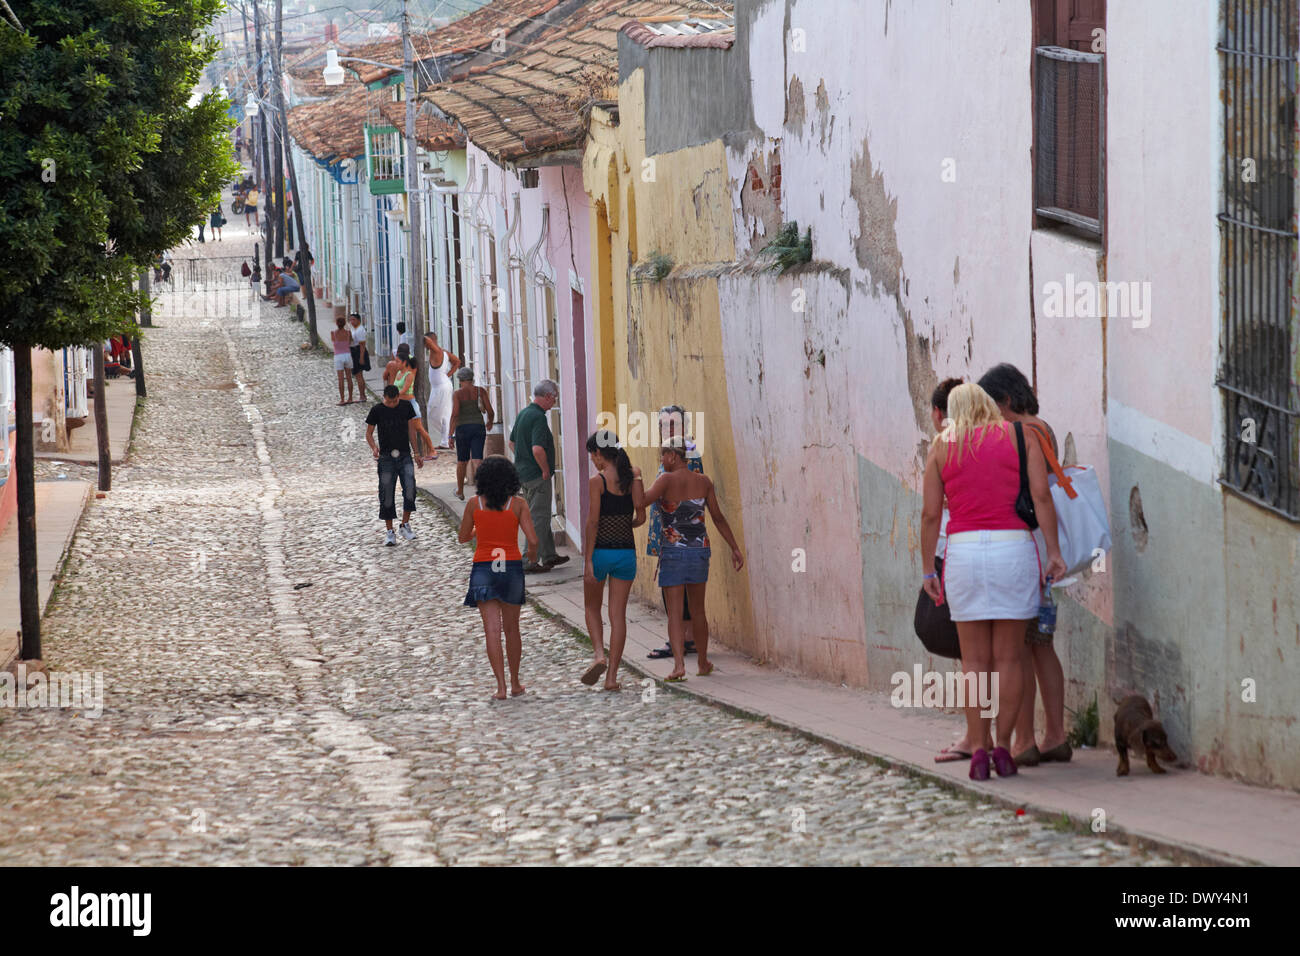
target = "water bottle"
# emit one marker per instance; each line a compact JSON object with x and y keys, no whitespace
{"x":1047,"y":610}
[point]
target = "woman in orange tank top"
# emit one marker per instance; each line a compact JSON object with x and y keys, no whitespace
{"x":493,"y":520}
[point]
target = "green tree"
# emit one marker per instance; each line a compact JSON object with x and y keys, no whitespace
{"x":102,"y":166}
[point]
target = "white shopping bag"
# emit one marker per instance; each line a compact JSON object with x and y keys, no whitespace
{"x":1082,"y":524}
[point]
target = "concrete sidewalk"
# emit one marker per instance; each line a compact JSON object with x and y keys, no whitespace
{"x":84,"y":446}
{"x":59,"y":505}
{"x":1193,"y":815}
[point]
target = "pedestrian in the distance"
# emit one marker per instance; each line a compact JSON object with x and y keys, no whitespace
{"x":360,"y":353}
{"x":685,"y":550}
{"x":403,"y":336}
{"x":395,"y":422}
{"x":250,"y":205}
{"x":471,"y":417}
{"x":216,"y":220}
{"x":341,"y":339}
{"x":405,"y":382}
{"x":610,"y":549}
{"x":493,"y":520}
{"x":533,"y":446}
{"x":396,"y":364}
{"x":442,"y":365}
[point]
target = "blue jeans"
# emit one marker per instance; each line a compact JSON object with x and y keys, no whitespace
{"x":390,"y":470}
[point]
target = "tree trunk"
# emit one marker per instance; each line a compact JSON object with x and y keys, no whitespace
{"x":137,"y":353}
{"x":146,"y":315}
{"x":101,"y":422}
{"x":29,"y":598}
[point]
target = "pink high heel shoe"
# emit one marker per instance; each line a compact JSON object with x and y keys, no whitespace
{"x":1003,"y":762}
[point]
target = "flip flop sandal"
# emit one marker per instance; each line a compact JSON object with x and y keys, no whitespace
{"x":593,"y":673}
{"x":617,"y":686}
{"x":659,"y":653}
{"x":951,"y":755}
{"x":706,"y":673}
{"x":674,"y":680}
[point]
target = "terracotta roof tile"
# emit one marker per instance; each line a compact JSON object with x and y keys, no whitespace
{"x":529,"y":103}
{"x":333,"y":129}
{"x":695,"y":32}
{"x":430,"y":131}
{"x":471,"y":33}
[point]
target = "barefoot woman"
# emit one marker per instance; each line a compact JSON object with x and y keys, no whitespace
{"x":493,"y":519}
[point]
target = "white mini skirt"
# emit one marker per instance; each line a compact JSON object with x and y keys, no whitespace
{"x":991,"y":576}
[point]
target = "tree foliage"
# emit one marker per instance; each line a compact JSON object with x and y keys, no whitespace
{"x":103,"y":164}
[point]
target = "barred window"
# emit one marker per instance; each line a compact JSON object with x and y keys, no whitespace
{"x":1258,"y":360}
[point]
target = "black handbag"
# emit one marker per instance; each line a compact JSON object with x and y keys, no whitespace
{"x":933,"y":623}
{"x":1024,"y":500}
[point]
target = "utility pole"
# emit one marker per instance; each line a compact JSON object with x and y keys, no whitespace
{"x":304,"y":251}
{"x":266,"y":161}
{"x":416,"y":268}
{"x":278,"y":170}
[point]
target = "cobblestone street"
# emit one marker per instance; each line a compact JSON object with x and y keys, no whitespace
{"x":280,"y":688}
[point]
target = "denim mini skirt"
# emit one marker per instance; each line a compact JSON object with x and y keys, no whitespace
{"x":683,"y":566}
{"x":486,"y":583}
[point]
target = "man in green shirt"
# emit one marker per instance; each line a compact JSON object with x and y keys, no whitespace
{"x":533,"y":446}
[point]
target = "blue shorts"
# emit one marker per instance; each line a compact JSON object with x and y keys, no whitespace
{"x":469,"y":441}
{"x":486,"y":584}
{"x":614,"y":563}
{"x":683,"y":566}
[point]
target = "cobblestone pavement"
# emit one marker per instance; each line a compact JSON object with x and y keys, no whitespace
{"x":280,"y":688}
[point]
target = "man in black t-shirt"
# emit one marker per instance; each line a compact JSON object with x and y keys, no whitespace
{"x":396,"y":422}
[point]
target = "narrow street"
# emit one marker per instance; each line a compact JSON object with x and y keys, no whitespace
{"x":280,"y":688}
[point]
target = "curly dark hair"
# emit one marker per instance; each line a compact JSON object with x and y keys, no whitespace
{"x":605,"y":444}
{"x":939,"y":397}
{"x":1006,"y":383}
{"x":496,"y":480}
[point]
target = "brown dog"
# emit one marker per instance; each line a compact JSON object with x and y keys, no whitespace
{"x":1136,"y":727}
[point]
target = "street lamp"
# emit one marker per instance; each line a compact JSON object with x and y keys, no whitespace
{"x":251,"y":108}
{"x":333,"y":73}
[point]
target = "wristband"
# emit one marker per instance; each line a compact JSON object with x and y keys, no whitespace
{"x":932,"y":574}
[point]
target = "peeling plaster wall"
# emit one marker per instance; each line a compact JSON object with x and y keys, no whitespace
{"x":661,"y":342}
{"x":919,"y":275}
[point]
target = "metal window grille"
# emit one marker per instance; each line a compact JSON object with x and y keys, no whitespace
{"x":1258,"y":361}
{"x":1069,"y":137}
{"x":385,"y":159}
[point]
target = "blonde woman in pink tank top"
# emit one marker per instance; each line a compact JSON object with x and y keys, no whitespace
{"x":991,"y":576}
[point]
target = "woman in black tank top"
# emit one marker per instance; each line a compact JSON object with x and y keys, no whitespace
{"x":610,"y":550}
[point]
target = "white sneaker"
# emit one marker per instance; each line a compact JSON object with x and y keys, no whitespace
{"x":391,"y":538}
{"x":407,"y":532}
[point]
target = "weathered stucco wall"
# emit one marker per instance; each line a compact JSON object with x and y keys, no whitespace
{"x":660,"y":340}
{"x":902,"y":135}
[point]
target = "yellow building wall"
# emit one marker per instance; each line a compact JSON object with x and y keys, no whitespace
{"x":660,"y":341}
